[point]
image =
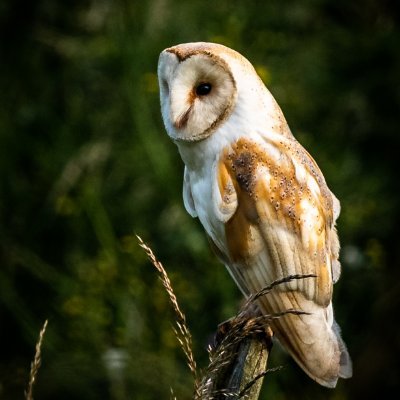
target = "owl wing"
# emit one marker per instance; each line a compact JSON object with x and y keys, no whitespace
{"x":279,"y":215}
{"x":282,"y":223}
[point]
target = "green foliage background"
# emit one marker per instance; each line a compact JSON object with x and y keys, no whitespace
{"x":85,"y":165}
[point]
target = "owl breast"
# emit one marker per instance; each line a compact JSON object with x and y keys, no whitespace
{"x":202,"y":191}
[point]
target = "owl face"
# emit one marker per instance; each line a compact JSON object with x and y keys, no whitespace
{"x":197,"y":90}
{"x":207,"y":86}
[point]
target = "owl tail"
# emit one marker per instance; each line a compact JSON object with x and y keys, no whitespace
{"x":312,"y":339}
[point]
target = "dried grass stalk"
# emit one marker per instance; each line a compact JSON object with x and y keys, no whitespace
{"x":35,"y":364}
{"x":182,"y":332}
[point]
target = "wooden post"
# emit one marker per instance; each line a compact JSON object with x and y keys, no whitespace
{"x":238,"y":362}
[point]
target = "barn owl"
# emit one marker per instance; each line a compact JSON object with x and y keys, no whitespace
{"x":259,"y":195}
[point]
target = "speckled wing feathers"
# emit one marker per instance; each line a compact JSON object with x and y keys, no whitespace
{"x":283,"y":215}
{"x":283,"y":224}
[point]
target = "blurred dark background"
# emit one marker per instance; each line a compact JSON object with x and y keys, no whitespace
{"x":86,"y":164}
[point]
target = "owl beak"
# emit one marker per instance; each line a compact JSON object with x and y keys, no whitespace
{"x":181,"y":121}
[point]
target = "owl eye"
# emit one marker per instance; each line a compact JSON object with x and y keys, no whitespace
{"x":203,"y":89}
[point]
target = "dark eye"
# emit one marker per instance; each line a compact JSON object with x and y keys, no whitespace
{"x":203,"y":89}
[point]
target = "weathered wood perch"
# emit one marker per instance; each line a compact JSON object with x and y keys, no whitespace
{"x":238,"y":362}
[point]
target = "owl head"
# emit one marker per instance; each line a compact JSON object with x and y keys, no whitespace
{"x":202,"y":85}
